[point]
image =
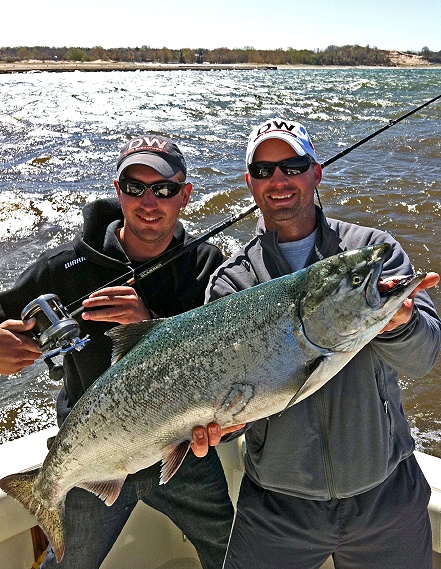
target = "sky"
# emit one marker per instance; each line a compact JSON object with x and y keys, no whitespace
{"x":262,"y":24}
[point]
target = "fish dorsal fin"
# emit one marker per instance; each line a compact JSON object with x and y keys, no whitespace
{"x":125,"y":336}
{"x":107,"y":490}
{"x":172,"y":460}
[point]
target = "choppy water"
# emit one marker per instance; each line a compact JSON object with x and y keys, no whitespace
{"x":60,"y":135}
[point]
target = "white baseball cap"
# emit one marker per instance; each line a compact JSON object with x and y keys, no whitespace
{"x":294,"y":133}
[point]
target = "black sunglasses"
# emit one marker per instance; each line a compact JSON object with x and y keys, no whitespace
{"x":159,"y":189}
{"x":290,"y":167}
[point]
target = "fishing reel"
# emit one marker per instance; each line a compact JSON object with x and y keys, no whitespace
{"x":55,"y":330}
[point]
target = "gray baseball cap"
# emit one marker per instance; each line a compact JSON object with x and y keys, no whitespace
{"x":153,"y":150}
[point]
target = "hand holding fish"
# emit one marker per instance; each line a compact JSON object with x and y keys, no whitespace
{"x":210,"y":437}
{"x":404,"y":313}
{"x":119,"y":304}
{"x":17,"y":350}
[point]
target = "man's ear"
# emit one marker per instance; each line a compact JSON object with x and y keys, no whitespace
{"x":186,"y":190}
{"x":248,"y":181}
{"x":318,"y":174}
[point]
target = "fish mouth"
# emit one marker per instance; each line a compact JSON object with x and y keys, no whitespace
{"x":381,"y":289}
{"x":395,"y":285}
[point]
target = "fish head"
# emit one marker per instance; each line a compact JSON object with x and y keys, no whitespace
{"x":342,"y":307}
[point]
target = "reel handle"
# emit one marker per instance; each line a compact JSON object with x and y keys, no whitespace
{"x":56,"y":371}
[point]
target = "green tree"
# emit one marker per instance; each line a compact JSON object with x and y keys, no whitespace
{"x":76,"y":54}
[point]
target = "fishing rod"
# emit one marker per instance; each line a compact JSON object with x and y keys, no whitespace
{"x":56,"y":329}
{"x":168,"y":256}
{"x":171,"y":255}
{"x":160,"y":261}
{"x":391,"y":123}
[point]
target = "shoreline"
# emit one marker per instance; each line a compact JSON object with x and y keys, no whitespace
{"x":60,"y":66}
{"x":63,"y":66}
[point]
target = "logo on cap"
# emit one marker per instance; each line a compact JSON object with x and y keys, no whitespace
{"x":144,"y":144}
{"x":280,"y":126}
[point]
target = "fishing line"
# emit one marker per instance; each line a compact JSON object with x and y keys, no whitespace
{"x":391,"y":123}
{"x":136,"y":275}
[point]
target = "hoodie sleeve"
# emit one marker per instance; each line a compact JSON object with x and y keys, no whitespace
{"x":234,"y":275}
{"x":412,"y":348}
{"x":242,"y":270}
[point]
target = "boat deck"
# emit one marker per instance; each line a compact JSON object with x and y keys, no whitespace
{"x":162,"y":546}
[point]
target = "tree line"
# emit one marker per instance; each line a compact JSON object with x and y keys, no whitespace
{"x":332,"y":55}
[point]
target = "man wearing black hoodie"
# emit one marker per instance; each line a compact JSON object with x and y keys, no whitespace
{"x":118,"y":236}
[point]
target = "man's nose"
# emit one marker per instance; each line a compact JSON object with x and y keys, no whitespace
{"x":278,"y":176}
{"x":149,"y":198}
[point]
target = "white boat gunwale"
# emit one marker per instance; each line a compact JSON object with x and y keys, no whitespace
{"x":163,"y":546}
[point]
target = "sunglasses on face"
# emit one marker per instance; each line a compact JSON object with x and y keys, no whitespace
{"x":159,"y":189}
{"x":290,"y":167}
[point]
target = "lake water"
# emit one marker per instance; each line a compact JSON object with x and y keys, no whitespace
{"x":61,"y":134}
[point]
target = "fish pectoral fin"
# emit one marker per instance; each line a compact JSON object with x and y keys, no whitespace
{"x":172,"y":460}
{"x":51,"y":520}
{"x":125,"y":336}
{"x":107,"y":490}
{"x":324,"y":369}
{"x":312,"y":366}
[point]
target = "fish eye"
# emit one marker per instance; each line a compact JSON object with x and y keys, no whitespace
{"x":357,"y":279}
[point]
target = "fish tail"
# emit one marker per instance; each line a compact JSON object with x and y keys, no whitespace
{"x":21,"y":487}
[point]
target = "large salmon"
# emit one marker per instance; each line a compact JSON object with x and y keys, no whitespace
{"x":235,"y":360}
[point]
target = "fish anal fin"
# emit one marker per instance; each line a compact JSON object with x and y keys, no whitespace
{"x":51,"y":520}
{"x":125,"y":336}
{"x":107,"y":490}
{"x":172,"y":460}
